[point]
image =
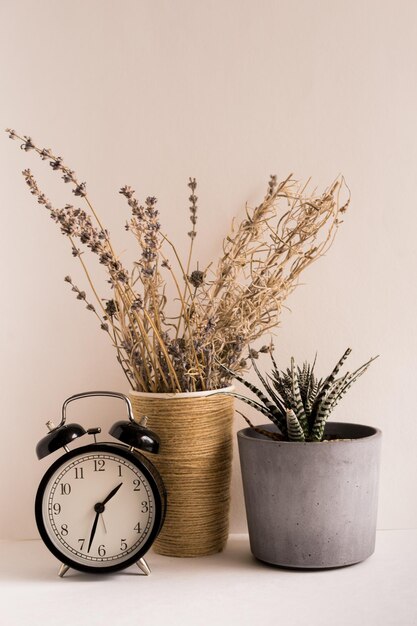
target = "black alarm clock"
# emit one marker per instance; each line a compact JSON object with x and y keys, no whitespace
{"x":100,"y":507}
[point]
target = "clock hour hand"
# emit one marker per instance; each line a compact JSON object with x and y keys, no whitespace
{"x":111,"y":494}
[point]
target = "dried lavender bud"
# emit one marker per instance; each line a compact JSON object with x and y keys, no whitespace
{"x":27,"y":144}
{"x":80,"y":190}
{"x":56,"y":164}
{"x":75,"y":252}
{"x":68,"y":279}
{"x":192,"y":234}
{"x":127,"y":191}
{"x":137,"y":304}
{"x":196,"y":278}
{"x":148,"y":272}
{"x":253,"y":354}
{"x":95,"y":247}
{"x":46,"y":154}
{"x":104,"y":327}
{"x":122,"y":276}
{"x":137,"y":211}
{"x":67,"y":229}
{"x":85,"y":237}
{"x":81,"y":295}
{"x":151,"y":201}
{"x":69,"y":176}
{"x":105,"y":258}
{"x":111,"y":308}
{"x":148,"y":254}
{"x":166,"y":264}
{"x":243,"y":363}
{"x":11,"y":132}
{"x":90,"y":307}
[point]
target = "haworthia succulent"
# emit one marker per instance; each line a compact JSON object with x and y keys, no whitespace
{"x":300,"y":403}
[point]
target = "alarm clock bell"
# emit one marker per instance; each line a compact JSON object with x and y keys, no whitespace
{"x":58,"y":437}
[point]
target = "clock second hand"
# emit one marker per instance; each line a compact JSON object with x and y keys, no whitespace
{"x":99,"y":508}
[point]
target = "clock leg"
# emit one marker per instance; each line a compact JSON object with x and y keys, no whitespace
{"x":143,"y":566}
{"x":63,"y":570}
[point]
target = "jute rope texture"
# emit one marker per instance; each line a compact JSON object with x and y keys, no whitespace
{"x":195,"y":464}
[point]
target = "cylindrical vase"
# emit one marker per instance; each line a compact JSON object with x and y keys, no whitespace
{"x":194,"y":461}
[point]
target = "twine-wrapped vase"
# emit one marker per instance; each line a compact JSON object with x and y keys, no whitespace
{"x":195,"y":461}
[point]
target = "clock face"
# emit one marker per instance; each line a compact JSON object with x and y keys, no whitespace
{"x":99,"y":508}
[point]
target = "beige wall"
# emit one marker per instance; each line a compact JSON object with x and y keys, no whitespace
{"x":150,"y":92}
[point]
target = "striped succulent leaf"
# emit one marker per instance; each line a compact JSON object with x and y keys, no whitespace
{"x":279,"y":423}
{"x":274,"y":412}
{"x":309,"y":394}
{"x":295,"y":431}
{"x":333,"y":394}
{"x":262,"y":431}
{"x":282,"y":389}
{"x":303,"y":381}
{"x":312,"y":391}
{"x":318,"y":430}
{"x":328,"y":383}
{"x":274,"y":397}
{"x":325,"y":407}
{"x":350,"y":380}
{"x":298,"y":403}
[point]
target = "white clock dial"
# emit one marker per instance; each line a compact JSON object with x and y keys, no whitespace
{"x":98,"y":508}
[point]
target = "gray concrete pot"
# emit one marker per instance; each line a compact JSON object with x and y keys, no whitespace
{"x":311,"y":505}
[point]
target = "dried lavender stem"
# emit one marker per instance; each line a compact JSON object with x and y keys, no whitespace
{"x":187,"y":323}
{"x":183,"y":314}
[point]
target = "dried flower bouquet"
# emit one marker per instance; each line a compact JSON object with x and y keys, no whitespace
{"x":222,"y":309}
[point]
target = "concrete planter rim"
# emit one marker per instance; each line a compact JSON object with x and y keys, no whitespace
{"x":254,"y":436}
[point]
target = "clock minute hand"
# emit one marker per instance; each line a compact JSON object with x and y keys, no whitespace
{"x":93,"y":530}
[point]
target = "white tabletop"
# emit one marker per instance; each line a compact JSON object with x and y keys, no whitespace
{"x":228,"y":588}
